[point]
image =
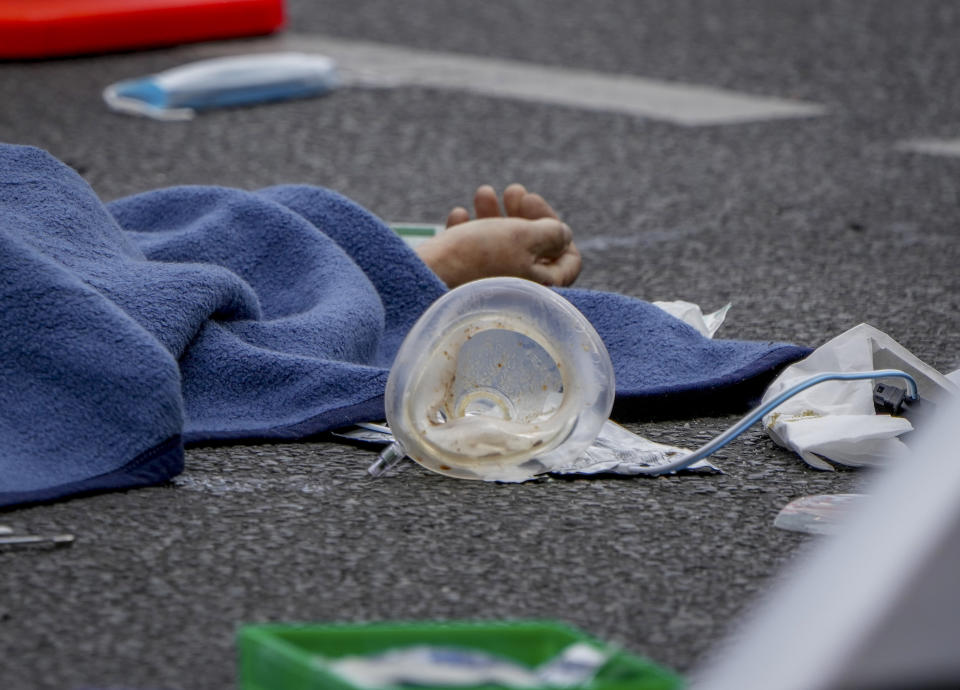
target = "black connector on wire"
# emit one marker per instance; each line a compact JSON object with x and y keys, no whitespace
{"x":896,"y":401}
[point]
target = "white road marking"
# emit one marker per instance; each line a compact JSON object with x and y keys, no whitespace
{"x":376,"y":64}
{"x":935,"y":147}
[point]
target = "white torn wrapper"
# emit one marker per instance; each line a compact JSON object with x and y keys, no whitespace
{"x":619,"y":451}
{"x":835,"y":421}
{"x":692,"y":315}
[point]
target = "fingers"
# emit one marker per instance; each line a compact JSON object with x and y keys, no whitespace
{"x":547,"y":238}
{"x":534,"y":206}
{"x":485,"y":202}
{"x":517,"y":202}
{"x":555,"y":259}
{"x":523,"y":204}
{"x":561,"y":272}
{"x":457,"y":216}
{"x":513,"y":198}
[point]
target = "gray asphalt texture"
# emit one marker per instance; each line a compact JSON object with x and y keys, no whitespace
{"x":807,"y":226}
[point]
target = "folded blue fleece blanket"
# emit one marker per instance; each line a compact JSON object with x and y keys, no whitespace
{"x":200,"y":313}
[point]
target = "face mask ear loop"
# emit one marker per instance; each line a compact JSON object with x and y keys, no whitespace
{"x":757,"y":414}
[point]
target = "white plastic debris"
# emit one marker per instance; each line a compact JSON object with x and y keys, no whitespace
{"x":820,"y":514}
{"x":692,"y":315}
{"x":835,"y":421}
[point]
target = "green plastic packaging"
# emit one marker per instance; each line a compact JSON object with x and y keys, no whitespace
{"x":415,"y":233}
{"x":290,"y":656}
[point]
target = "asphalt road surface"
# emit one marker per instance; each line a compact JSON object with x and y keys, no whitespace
{"x":808,"y":222}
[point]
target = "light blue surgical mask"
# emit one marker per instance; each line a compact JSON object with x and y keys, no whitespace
{"x":178,"y":93}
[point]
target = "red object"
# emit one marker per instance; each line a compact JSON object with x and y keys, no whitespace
{"x":51,"y":28}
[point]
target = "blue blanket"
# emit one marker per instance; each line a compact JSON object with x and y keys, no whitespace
{"x":200,"y":313}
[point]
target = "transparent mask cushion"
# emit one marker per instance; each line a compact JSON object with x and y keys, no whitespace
{"x":395,"y":454}
{"x":500,"y":379}
{"x":500,"y":407}
{"x":500,"y":394}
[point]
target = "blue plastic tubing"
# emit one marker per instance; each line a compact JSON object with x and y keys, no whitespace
{"x":757,"y":414}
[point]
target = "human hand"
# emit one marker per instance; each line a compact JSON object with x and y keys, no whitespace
{"x":527,"y":241}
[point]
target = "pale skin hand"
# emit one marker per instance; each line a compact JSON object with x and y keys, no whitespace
{"x":527,"y":241}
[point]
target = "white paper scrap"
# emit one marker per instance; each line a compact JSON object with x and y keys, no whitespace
{"x":692,"y":315}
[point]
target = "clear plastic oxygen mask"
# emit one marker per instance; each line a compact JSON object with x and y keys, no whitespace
{"x":500,"y":379}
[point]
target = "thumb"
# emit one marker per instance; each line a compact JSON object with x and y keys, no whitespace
{"x":548,"y":238}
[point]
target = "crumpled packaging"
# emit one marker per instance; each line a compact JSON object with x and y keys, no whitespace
{"x":692,"y":315}
{"x":834,"y":423}
{"x":620,"y":451}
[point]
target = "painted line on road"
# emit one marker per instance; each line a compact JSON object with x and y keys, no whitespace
{"x":934,"y":147}
{"x":380,"y":65}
